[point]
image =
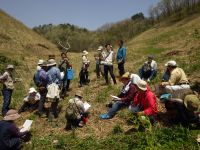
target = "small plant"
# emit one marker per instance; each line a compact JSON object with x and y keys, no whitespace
{"x":117,"y":129}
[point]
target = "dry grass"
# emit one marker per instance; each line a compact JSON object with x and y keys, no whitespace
{"x":24,"y":46}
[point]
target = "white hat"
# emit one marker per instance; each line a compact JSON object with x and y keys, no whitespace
{"x":135,"y":78}
{"x":11,"y":115}
{"x":40,"y":62}
{"x":10,"y":67}
{"x":100,"y":48}
{"x":171,"y":63}
{"x":142,"y":85}
{"x":32,"y":90}
{"x":85,"y":52}
{"x":51,"y":62}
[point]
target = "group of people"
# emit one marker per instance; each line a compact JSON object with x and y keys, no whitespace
{"x":53,"y":82}
{"x":104,"y":59}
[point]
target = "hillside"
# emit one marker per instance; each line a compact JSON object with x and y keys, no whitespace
{"x":22,"y":45}
{"x":178,"y":41}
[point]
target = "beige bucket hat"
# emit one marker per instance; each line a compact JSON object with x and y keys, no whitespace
{"x":11,"y":115}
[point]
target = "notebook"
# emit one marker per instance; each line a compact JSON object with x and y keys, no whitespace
{"x":26,"y":125}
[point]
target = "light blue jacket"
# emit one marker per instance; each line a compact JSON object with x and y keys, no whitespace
{"x":121,"y":54}
{"x":53,"y":75}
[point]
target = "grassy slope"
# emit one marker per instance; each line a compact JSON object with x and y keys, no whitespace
{"x":98,"y":134}
{"x":21,"y":46}
{"x":161,"y":40}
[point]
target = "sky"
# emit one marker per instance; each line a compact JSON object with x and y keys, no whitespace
{"x":90,"y":14}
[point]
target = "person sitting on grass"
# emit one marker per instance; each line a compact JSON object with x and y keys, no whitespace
{"x":149,"y":69}
{"x":10,"y":136}
{"x":144,"y":103}
{"x":76,"y":113}
{"x":128,"y":92}
{"x":31,"y":101}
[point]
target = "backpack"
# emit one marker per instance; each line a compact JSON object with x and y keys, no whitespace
{"x":36,"y":78}
{"x":70,"y":74}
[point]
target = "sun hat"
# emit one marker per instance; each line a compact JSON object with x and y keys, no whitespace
{"x":51,"y":62}
{"x":10,"y":67}
{"x":192,"y":103}
{"x":11,"y":115}
{"x":40,"y":62}
{"x":31,"y":90}
{"x":79,"y":93}
{"x":135,"y":78}
{"x":126,"y":76}
{"x":142,"y":85}
{"x":171,"y":63}
{"x":85,"y":52}
{"x":100,"y":48}
{"x":151,"y":56}
{"x":44,"y":64}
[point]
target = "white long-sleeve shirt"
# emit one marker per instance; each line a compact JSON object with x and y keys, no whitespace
{"x":109,"y":59}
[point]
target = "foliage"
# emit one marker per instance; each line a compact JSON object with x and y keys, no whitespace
{"x":160,"y":138}
{"x":5,"y":61}
{"x":174,"y":9}
{"x":117,"y":129}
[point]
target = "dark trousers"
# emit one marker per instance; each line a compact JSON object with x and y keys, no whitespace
{"x":65,"y":87}
{"x":149,"y":74}
{"x":27,"y":106}
{"x":110,"y":70}
{"x":99,"y":71}
{"x":43,"y":94}
{"x":121,"y":68}
{"x":54,"y":108}
{"x":83,"y":76}
{"x":115,"y":107}
{"x":7,"y":93}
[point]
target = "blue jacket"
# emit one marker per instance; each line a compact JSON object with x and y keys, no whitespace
{"x":121,"y":54}
{"x":53,"y":75}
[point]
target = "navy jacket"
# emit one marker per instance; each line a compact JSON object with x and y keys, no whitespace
{"x":9,"y":136}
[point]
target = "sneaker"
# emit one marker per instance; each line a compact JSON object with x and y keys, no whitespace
{"x":105,"y":116}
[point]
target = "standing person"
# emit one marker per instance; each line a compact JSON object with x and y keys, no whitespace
{"x":40,"y":79}
{"x":149,"y":69}
{"x":10,"y":136}
{"x":99,"y":57}
{"x":84,"y":74}
{"x":53,"y":87}
{"x":63,"y":66}
{"x":108,"y":64}
{"x":8,"y":87}
{"x":124,"y":99}
{"x":121,"y":56}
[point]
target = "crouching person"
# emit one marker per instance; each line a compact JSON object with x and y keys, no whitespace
{"x":76,"y":113}
{"x":144,"y":103}
{"x":31,"y":101}
{"x":124,"y":98}
{"x":10,"y":136}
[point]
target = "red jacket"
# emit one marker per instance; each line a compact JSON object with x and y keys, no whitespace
{"x":147,"y":101}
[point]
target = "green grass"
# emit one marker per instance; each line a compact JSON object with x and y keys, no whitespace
{"x":177,"y":138}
